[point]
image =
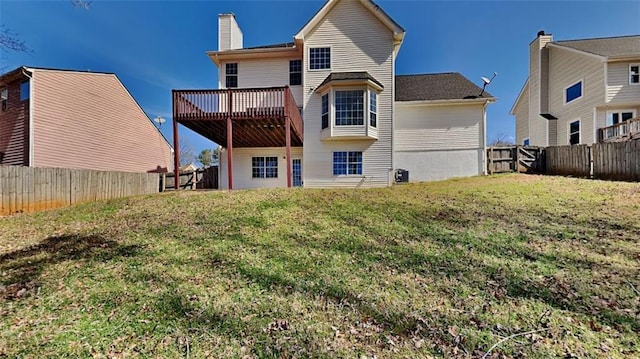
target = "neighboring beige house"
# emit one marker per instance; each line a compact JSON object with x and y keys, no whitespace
{"x":328,"y":110}
{"x":579,"y":91}
{"x":75,"y":119}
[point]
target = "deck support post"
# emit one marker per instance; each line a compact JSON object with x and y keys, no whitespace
{"x":230,"y":142}
{"x":288,"y":149}
{"x":176,"y":149}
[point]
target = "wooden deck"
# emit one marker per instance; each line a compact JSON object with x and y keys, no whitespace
{"x":258,"y":115}
{"x":622,"y":131}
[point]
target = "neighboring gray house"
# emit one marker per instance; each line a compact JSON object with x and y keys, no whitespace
{"x":579,"y":91}
{"x":327,"y":110}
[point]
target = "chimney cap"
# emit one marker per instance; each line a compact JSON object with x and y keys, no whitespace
{"x":541,"y":33}
{"x":227,"y":14}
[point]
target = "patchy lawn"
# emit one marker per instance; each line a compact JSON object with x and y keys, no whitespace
{"x":439,"y":269}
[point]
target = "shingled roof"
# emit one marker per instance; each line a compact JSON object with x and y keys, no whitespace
{"x":272,"y":46}
{"x":607,"y":46}
{"x":345,"y":76}
{"x":431,"y":87}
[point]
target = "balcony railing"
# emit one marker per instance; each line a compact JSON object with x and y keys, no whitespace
{"x":621,"y":131}
{"x":237,"y":104}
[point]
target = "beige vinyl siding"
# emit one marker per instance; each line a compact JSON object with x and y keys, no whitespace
{"x":618,"y":88}
{"x":521,"y":112}
{"x":229,"y":33}
{"x":358,"y":42}
{"x":90,"y":121}
{"x":263,"y":73}
{"x":14,"y":128}
{"x":242,"y":167}
{"x":553,"y":132}
{"x":565,"y":69}
{"x":439,"y":142}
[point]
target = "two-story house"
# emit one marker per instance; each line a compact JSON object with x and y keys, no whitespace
{"x":579,"y":91}
{"x":328,"y":110}
{"x":76,"y":119}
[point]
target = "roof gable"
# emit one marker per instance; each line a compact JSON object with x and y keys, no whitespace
{"x":368,"y":4}
{"x":437,"y":87}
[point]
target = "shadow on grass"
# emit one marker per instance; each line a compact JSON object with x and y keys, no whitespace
{"x":21,"y":268}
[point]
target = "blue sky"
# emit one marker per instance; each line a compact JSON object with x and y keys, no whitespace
{"x":156,"y":46}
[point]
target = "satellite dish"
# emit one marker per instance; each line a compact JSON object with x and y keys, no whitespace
{"x":486,"y":81}
{"x":159,"y":120}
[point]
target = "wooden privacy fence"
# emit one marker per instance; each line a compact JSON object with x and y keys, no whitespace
{"x":206,"y":178}
{"x":28,"y":189}
{"x":515,"y":159}
{"x":609,"y":160}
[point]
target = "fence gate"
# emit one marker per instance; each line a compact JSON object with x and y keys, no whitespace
{"x":515,"y":159}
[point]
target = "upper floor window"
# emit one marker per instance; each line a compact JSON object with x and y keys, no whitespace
{"x":4,"y":98}
{"x":325,"y":111}
{"x":574,"y":132}
{"x":319,"y":58}
{"x":347,"y":163}
{"x":373,"y":109}
{"x":526,"y":142}
{"x":264,"y":167}
{"x":24,"y":91}
{"x":349,"y":108}
{"x":573,"y":92}
{"x":231,"y":75}
{"x":634,"y":74}
{"x":295,"y":72}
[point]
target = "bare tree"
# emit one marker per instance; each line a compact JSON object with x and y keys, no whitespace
{"x":186,"y":155}
{"x":9,"y":41}
{"x":501,"y":139}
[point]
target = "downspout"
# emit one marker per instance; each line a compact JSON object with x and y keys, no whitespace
{"x":26,"y":73}
{"x":484,"y":138}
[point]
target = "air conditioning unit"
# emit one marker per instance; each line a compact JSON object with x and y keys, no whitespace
{"x":402,"y":176}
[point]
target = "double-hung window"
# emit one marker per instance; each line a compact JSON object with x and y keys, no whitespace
{"x":573,"y":92}
{"x":349,"y":108}
{"x":325,"y":111}
{"x":319,"y":58}
{"x":264,"y":167}
{"x":634,"y":74}
{"x":373,"y":109}
{"x":574,"y":132}
{"x":231,"y":72}
{"x":347,"y":163}
{"x":295,"y":72}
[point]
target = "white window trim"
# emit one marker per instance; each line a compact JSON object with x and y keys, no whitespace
{"x":347,"y":175}
{"x":301,"y":72}
{"x":634,"y":83}
{"x":620,"y":111}
{"x":564,"y":92}
{"x":265,"y":168}
{"x":579,"y":120}
{"x":330,"y":58}
{"x":237,"y":75}
{"x":369,"y":92}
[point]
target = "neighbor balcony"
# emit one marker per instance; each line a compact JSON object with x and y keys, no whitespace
{"x":245,"y":117}
{"x":622,"y":131}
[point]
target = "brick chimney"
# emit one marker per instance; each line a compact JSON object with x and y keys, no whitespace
{"x":229,"y":33}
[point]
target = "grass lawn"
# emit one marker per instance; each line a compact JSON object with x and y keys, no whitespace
{"x":420,"y":270}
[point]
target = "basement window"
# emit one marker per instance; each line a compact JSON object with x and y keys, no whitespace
{"x":231,"y":73}
{"x":526,"y":142}
{"x":573,"y":92}
{"x":347,"y":163}
{"x":634,"y":74}
{"x":574,"y":132}
{"x":264,"y":167}
{"x":4,"y":97}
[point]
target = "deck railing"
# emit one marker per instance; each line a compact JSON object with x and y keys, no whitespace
{"x":237,"y":104}
{"x":620,"y":131}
